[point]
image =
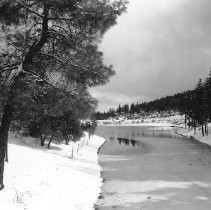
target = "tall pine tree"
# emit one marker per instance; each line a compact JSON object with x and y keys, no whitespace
{"x":50,"y":44}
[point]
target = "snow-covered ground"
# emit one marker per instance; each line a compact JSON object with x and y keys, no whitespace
{"x":197,"y":134}
{"x":172,"y":120}
{"x":41,"y":179}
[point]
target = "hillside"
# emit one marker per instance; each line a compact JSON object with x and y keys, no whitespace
{"x":59,"y":178}
{"x":155,"y":119}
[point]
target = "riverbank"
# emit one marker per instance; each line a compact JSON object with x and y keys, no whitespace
{"x":177,"y":121}
{"x":151,"y":120}
{"x":64,"y":177}
{"x":197,"y":135}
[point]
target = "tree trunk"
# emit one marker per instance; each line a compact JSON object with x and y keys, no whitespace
{"x":8,"y":108}
{"x":194,"y":126}
{"x":205,"y":127}
{"x":49,"y":143}
{"x":67,"y":140}
{"x":4,"y":130}
{"x":6,"y":153}
{"x":202,"y":129}
{"x":42,"y":140}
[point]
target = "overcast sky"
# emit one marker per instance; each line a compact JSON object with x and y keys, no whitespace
{"x":158,"y":48}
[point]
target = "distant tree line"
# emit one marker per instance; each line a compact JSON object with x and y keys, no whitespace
{"x":194,"y":104}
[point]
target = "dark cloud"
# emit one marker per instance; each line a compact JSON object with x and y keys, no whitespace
{"x":159,"y":47}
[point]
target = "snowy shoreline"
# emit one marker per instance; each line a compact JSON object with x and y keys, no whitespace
{"x":197,"y":135}
{"x":38,"y":178}
{"x":143,"y":124}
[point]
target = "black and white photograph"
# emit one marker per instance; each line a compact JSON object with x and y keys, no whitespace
{"x":105,"y":105}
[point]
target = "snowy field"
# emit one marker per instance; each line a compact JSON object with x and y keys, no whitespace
{"x":40,"y":179}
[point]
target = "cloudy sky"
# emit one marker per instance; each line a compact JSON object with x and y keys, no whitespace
{"x":158,"y":48}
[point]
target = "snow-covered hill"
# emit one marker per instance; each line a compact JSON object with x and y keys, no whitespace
{"x":156,"y":119}
{"x":42,"y":179}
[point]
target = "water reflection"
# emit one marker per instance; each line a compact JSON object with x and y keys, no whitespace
{"x":111,"y":138}
{"x":125,"y":141}
{"x":136,"y":133}
{"x":133,"y":142}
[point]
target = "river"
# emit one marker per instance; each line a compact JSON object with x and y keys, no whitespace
{"x":152,"y":168}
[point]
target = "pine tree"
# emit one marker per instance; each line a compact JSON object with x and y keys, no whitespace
{"x":119,"y":109}
{"x":132,"y":108}
{"x":50,"y":44}
{"x":208,"y":95}
{"x":200,"y":105}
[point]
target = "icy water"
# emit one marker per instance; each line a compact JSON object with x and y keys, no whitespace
{"x":152,"y":168}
